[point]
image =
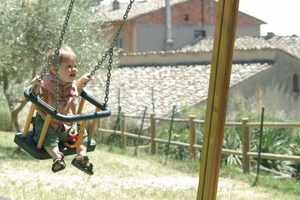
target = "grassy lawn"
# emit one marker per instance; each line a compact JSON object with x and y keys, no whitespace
{"x":120,"y":175}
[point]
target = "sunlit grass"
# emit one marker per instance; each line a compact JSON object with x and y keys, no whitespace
{"x":120,"y":175}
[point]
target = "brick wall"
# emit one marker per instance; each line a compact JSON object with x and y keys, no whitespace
{"x":192,"y":10}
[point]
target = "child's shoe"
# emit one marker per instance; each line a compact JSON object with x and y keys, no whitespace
{"x":58,"y":165}
{"x":82,"y":163}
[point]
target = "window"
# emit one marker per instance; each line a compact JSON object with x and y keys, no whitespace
{"x":296,"y":83}
{"x":119,"y":43}
{"x":199,"y":34}
{"x":186,"y":17}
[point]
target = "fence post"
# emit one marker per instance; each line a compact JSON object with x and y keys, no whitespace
{"x":246,"y":146}
{"x":192,"y":136}
{"x":99,"y":126}
{"x":152,"y":133}
{"x":123,"y":130}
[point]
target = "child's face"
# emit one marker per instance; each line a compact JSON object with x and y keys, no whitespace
{"x":68,"y":70}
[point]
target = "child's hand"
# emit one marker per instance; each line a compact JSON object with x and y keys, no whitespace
{"x":88,"y":77}
{"x":83,"y":80}
{"x":36,"y":83}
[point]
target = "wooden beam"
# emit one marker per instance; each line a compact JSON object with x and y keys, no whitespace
{"x":44,"y":131}
{"x":81,"y":105}
{"x":81,"y":132}
{"x":29,"y":119}
{"x":93,"y":126}
{"x":227,"y":12}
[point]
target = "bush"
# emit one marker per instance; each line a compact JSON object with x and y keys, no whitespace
{"x":5,"y":118}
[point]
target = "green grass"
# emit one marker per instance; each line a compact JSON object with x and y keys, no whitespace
{"x":120,"y":175}
{"x":280,"y":184}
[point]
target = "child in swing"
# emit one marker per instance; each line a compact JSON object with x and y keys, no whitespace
{"x":68,"y":89}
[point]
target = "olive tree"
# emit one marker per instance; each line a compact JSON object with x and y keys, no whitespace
{"x":28,"y":30}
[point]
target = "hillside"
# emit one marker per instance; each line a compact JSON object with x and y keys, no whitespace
{"x":117,"y":176}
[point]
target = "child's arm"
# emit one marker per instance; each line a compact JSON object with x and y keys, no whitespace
{"x":36,"y":83}
{"x":83,"y":80}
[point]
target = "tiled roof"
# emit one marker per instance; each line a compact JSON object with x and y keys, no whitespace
{"x":180,"y":85}
{"x":290,"y":44}
{"x":105,"y":13}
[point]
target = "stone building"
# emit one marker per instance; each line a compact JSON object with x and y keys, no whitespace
{"x":147,"y":30}
{"x":265,"y":73}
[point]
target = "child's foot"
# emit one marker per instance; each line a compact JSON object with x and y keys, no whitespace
{"x":82,"y":163}
{"x":58,"y":165}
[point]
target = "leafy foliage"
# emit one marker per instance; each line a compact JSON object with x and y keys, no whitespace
{"x":28,"y":31}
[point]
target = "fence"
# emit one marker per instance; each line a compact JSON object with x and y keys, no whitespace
{"x":245,"y":125}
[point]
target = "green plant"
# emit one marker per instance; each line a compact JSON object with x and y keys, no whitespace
{"x":4,"y":116}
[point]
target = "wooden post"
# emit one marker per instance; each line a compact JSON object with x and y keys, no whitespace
{"x":123,"y":130}
{"x":192,"y":137}
{"x":93,"y":126}
{"x":99,"y":127}
{"x":81,"y":105}
{"x":28,"y":119}
{"x":152,"y":133}
{"x":81,"y":132}
{"x":246,"y":146}
{"x":44,"y":131}
{"x":226,"y":21}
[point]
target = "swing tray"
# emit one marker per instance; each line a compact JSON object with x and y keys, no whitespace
{"x":104,"y":111}
{"x":29,"y":145}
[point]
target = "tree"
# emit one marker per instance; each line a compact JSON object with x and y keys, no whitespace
{"x":28,"y":31}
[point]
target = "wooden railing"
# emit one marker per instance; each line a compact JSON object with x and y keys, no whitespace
{"x":245,"y":126}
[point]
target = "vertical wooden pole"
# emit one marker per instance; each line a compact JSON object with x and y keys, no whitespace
{"x":192,"y":137}
{"x":246,"y":146}
{"x":152,"y":133}
{"x":227,"y":12}
{"x":93,"y":126}
{"x":123,"y":130}
{"x":100,"y":124}
{"x":81,"y":105}
{"x":81,"y":132}
{"x":28,"y":119}
{"x":44,"y":131}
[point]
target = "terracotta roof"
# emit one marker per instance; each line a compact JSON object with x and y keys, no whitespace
{"x":184,"y":85}
{"x":289,"y":44}
{"x":244,"y":43}
{"x":105,"y":13}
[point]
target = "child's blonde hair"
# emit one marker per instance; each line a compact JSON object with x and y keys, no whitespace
{"x":65,"y":53}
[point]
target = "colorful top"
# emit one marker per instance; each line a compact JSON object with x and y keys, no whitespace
{"x":65,"y":100}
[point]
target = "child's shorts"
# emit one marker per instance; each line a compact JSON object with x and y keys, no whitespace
{"x":54,"y":135}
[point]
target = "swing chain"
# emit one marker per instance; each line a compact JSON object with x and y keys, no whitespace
{"x":54,"y":59}
{"x":110,"y":61}
{"x":110,"y":53}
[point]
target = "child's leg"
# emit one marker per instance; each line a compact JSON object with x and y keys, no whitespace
{"x":81,"y":160}
{"x":81,"y":150}
{"x":58,"y":158}
{"x":54,"y":152}
{"x":50,"y":144}
{"x":51,"y":138}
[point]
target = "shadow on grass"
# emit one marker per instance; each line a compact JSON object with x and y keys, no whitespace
{"x":13,"y":153}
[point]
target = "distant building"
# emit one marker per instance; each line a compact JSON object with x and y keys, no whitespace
{"x":265,"y":72}
{"x":146,"y":27}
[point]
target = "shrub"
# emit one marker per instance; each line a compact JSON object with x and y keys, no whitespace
{"x":5,"y":118}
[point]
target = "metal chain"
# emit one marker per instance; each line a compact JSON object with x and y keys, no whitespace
{"x":110,"y":53}
{"x":55,"y":57}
